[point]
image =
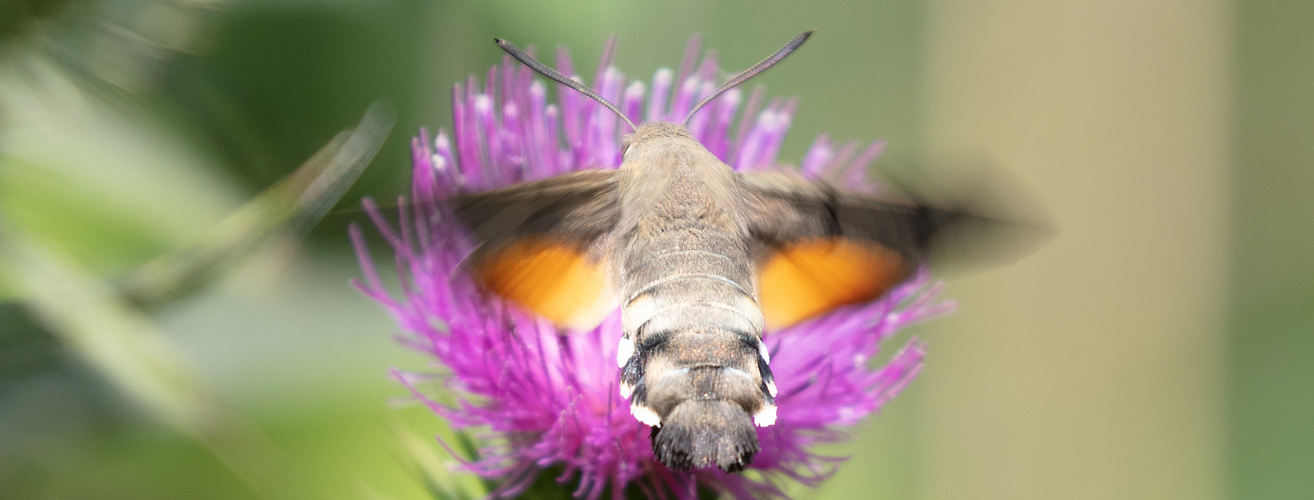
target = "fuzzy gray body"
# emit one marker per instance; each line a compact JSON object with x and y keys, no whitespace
{"x":681,"y":239}
{"x":691,"y":354}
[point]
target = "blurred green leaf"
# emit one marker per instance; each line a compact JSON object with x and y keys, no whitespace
{"x":16,"y":15}
{"x":434,"y":466}
{"x":125,"y":346}
{"x":82,"y":217}
{"x":291,"y":206}
{"x":112,"y":49}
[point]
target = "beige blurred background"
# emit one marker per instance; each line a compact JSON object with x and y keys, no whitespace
{"x":1159,"y":346}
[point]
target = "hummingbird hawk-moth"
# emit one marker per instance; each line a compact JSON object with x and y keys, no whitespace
{"x":701,"y":259}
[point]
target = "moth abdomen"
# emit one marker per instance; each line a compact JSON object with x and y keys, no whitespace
{"x":705,"y":414}
{"x":692,"y":356}
{"x":705,"y":432}
{"x":702,"y":389}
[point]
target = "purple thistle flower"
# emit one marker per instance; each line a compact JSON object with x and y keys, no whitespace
{"x":552,"y":401}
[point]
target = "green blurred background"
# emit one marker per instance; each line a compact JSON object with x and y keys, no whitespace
{"x":1160,"y":346}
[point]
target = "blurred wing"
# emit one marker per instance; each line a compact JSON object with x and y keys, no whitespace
{"x":823,"y":248}
{"x":542,"y":244}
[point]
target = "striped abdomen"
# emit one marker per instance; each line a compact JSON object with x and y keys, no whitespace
{"x":692,"y":357}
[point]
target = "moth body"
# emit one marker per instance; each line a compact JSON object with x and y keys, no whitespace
{"x":701,"y":259}
{"x":690,"y":319}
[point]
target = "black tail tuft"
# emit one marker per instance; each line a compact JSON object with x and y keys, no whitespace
{"x":701,"y":433}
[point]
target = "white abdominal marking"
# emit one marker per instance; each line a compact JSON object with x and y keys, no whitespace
{"x":637,"y":311}
{"x":765,"y":417}
{"x":686,"y":276}
{"x":646,"y":415}
{"x":736,"y":371}
{"x":624,"y":352}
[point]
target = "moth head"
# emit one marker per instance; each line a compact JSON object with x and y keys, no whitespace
{"x":625,"y":146}
{"x":655,"y":134}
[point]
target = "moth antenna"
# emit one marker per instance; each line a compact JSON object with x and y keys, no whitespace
{"x":556,"y":76}
{"x":758,"y":68}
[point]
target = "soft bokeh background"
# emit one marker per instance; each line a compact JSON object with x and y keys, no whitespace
{"x":1160,"y":346}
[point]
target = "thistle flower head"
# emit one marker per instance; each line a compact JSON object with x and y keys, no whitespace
{"x":543,"y":400}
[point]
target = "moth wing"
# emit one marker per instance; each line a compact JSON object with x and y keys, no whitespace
{"x":821,"y":248}
{"x":543,"y":244}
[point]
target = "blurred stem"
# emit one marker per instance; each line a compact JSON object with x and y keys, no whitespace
{"x":292,"y":206}
{"x":105,"y":328}
{"x":125,"y":346}
{"x":435,"y":468}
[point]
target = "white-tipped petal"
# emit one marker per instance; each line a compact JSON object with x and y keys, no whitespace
{"x":766,"y":417}
{"x":624,"y":352}
{"x":649,"y":417}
